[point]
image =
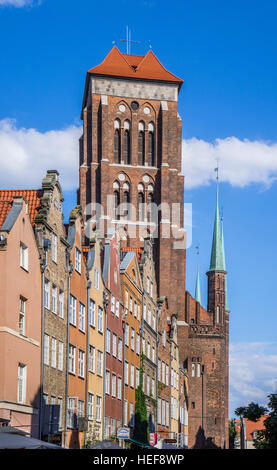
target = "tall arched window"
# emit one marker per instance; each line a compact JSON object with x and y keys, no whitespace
{"x":141,"y":144}
{"x":126,"y":149}
{"x":126,"y":200}
{"x":150,"y":201}
{"x":117,"y":143}
{"x":116,"y":204}
{"x":150,"y":152}
{"x":140,"y":206}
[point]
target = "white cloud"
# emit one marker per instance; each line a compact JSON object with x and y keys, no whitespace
{"x":241,"y":162}
{"x":26,"y":154}
{"x":19,"y":3}
{"x":253,"y":373}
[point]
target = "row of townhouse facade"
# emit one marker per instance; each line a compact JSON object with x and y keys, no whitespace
{"x":80,"y":324}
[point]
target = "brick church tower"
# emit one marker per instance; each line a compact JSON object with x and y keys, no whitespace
{"x":130,"y":152}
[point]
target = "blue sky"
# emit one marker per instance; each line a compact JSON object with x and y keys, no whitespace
{"x":226,"y":54}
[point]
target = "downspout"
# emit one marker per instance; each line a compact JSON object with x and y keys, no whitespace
{"x":88,"y":330}
{"x":123,"y":378}
{"x":70,"y":270}
{"x":170,"y":384}
{"x":157,"y":358}
{"x":46,"y":246}
{"x":105,"y":305}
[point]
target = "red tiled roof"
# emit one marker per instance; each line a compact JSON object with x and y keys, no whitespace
{"x":251,"y":426}
{"x":138,"y":251}
{"x":132,"y":66}
{"x":32,"y":196}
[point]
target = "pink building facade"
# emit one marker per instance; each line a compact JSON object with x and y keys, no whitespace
{"x":20,"y":315}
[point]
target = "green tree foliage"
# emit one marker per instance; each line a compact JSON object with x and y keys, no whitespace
{"x":232,"y":434}
{"x":141,"y":422}
{"x":253,"y":411}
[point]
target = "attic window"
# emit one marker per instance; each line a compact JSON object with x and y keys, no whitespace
{"x":134,"y":67}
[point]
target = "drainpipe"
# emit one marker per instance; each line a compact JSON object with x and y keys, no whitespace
{"x":123,"y":378}
{"x":46,"y":247}
{"x":88,"y":330}
{"x":157,"y":359}
{"x":70,"y":270}
{"x":170,"y":385}
{"x":105,"y":305}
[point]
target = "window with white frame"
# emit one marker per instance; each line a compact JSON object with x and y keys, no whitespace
{"x":46,"y":350}
{"x":72,"y":310}
{"x":166,"y":375}
{"x":54,"y":298}
{"x":61,"y":300}
{"x":80,"y":409}
{"x":119,"y":381}
{"x":60,"y":355}
{"x":148,"y":385}
{"x":46,"y":293}
{"x":126,"y":372}
{"x":107,"y":382}
{"x":21,"y":383}
{"x":22,"y":313}
{"x":96,"y":278}
{"x":98,"y":408}
{"x":81,"y":363}
{"x":132,"y":376}
{"x":132,"y":339}
{"x":148,"y":285}
{"x":131,"y":304}
{"x":53,"y":353}
{"x":153,"y":355}
{"x":113,"y":385}
{"x":54,"y":247}
{"x":151,"y":289}
{"x":71,"y":357}
{"x":119,"y":351}
{"x":144,"y":312}
{"x":153,"y":388}
{"x":112,"y":304}
{"x":100,"y":363}
{"x":143,"y":345}
{"x":154,"y":321}
{"x":126,"y":334}
{"x":70,"y":412}
{"x":82,"y":316}
{"x":100,"y":319}
{"x":117,"y":308}
{"x":90,"y":406}
{"x":23,"y":256}
{"x":163,"y":413}
{"x":148,"y":350}
{"x":193,"y":370}
{"x":149,"y":317}
{"x":137,"y":378}
{"x":138,"y":344}
{"x":159,"y":414}
{"x":198,"y":369}
{"x":163,"y":372}
{"x":108,"y":341}
{"x":167,"y":413}
{"x":91,"y":359}
{"x":138,"y":313}
{"x":77,"y":260}
{"x":91,"y":312}
{"x":114,"y":344}
{"x":126,"y":299}
{"x":135,"y":309}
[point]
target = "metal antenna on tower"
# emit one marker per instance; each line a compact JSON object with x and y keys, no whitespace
{"x":128,"y":41}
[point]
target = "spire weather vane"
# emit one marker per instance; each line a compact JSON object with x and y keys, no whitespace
{"x":217,"y":169}
{"x":128,"y":41}
{"x":197,"y":248}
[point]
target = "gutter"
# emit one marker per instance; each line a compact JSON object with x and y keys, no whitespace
{"x":70,"y":270}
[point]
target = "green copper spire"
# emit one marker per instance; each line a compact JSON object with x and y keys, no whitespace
{"x":224,"y":266}
{"x":217,"y":257}
{"x":197,"y":287}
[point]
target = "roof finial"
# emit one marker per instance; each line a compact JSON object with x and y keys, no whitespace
{"x":197,"y":286}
